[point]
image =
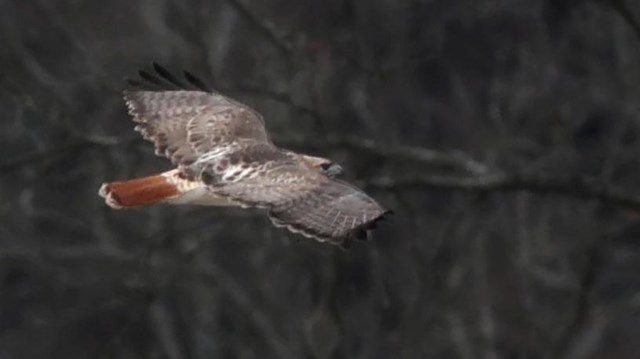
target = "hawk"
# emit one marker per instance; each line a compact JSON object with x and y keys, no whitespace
{"x":224,"y":157}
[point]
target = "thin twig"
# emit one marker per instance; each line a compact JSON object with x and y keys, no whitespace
{"x":31,"y":158}
{"x":455,"y":160}
{"x":283,"y":45}
{"x":621,"y":8}
{"x":41,"y":155}
{"x":235,"y":290}
{"x":583,"y":309}
{"x":279,"y":42}
{"x":281,"y":97}
{"x":578,"y":187}
{"x":205,"y":271}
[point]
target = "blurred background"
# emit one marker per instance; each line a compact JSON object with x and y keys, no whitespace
{"x":504,"y":135}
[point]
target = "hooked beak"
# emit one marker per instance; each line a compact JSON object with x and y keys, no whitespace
{"x":332,"y":169}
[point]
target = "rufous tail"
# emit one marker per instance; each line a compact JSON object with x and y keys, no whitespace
{"x":138,"y":191}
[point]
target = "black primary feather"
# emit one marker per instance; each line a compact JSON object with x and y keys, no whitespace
{"x":162,"y":79}
{"x":134,"y":83}
{"x":152,"y":79}
{"x":165,"y":74}
{"x":199,"y":84}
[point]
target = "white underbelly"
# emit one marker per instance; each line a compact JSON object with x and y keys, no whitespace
{"x":201,"y":196}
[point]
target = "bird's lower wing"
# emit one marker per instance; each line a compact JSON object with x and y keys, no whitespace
{"x":309,"y":203}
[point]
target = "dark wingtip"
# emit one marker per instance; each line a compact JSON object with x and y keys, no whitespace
{"x":157,"y":67}
{"x":161,"y":79}
{"x":199,"y":84}
{"x":383,"y":216}
{"x":150,"y":78}
{"x":133,"y":82}
{"x":166,"y":75}
{"x":363,"y":232}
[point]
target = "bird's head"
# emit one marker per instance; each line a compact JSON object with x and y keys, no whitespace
{"x":324,"y":165}
{"x":331,"y":169}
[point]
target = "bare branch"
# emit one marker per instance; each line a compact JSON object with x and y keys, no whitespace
{"x":212,"y":272}
{"x":455,"y":160}
{"x":31,"y":158}
{"x":281,"y":97}
{"x":165,"y":330}
{"x":284,"y":46}
{"x":579,"y":187}
{"x":205,"y":271}
{"x":621,"y":8}
{"x":459,"y":335}
{"x":584,"y":309}
{"x":38,"y":156}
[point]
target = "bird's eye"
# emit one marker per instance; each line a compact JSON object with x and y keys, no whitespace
{"x":326,"y":166}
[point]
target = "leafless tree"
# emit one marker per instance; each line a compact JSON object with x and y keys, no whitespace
{"x":504,"y":134}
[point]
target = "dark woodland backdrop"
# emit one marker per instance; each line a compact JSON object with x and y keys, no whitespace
{"x":504,"y":134}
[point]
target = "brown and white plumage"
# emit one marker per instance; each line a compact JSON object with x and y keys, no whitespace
{"x":224,"y":156}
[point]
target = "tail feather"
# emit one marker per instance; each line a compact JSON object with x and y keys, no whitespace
{"x":139,"y":191}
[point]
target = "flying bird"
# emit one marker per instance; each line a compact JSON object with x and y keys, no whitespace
{"x":224,"y":157}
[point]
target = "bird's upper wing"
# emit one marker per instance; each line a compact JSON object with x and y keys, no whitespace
{"x":187,"y":124}
{"x":308,"y":202}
